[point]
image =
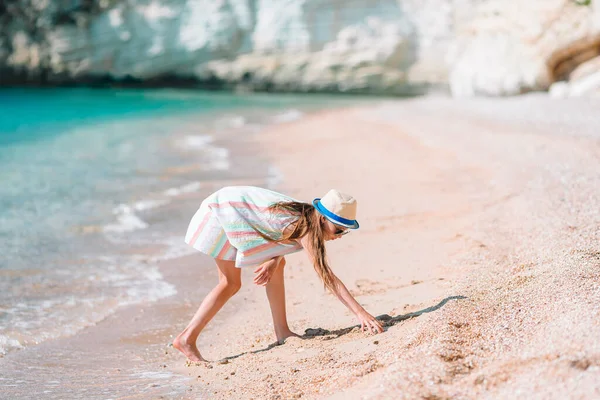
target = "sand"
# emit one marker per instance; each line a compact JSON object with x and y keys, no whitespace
{"x":478,"y":246}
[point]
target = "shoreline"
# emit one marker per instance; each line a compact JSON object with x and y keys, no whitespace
{"x":130,"y":213}
{"x":157,"y":320}
{"x":478,"y":247}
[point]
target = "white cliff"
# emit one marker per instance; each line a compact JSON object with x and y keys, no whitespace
{"x":510,"y":48}
{"x":474,"y":47}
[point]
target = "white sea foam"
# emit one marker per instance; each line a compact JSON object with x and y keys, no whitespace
{"x":175,"y":248}
{"x":237,"y":122}
{"x":288,"y":116}
{"x":127,"y":220}
{"x":152,"y":289}
{"x":144,"y":205}
{"x":188,"y":188}
{"x":7,"y":344}
{"x":153,"y":375}
{"x":217,"y":158}
{"x":143,"y":281}
{"x":195,"y":142}
{"x":115,"y":282}
{"x":230,"y":121}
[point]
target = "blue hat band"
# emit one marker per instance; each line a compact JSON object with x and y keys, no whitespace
{"x":333,"y":217}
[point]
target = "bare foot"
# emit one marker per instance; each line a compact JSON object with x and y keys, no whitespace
{"x":188,"y":348}
{"x":284,"y":335}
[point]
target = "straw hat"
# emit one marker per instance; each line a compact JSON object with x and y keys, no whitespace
{"x":339,"y":208}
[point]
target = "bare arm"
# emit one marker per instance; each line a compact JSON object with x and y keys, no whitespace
{"x":343,"y":294}
{"x":367,"y":321}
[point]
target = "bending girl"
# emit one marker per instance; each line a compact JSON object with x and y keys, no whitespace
{"x":245,"y":226}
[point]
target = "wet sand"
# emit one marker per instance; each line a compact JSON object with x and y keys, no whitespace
{"x":478,"y":248}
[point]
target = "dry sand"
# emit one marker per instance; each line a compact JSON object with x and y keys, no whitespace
{"x":479,"y":247}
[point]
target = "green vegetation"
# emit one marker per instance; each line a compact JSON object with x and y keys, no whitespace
{"x":583,"y":2}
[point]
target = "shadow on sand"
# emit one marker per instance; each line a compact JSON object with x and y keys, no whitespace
{"x":386,"y":320}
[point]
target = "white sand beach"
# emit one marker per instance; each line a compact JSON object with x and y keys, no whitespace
{"x":478,"y":247}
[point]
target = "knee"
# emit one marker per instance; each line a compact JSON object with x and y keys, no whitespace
{"x":231,"y":286}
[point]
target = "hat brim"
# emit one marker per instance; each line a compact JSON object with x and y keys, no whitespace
{"x":336,"y":219}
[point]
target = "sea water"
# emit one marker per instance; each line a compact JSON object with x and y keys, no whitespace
{"x":78,"y":170}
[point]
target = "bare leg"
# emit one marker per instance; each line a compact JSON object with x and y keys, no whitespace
{"x":276,"y":295}
{"x":229,"y":283}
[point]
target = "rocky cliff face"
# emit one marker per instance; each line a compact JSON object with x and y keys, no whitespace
{"x":507,"y":49}
{"x":474,"y":47}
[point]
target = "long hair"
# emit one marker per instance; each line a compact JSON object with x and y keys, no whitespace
{"x":308,"y":223}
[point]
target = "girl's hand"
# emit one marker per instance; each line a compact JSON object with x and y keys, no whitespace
{"x":265,"y":271}
{"x":369,"y":323}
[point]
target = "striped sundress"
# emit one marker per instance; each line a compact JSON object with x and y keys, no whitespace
{"x":225,"y":226}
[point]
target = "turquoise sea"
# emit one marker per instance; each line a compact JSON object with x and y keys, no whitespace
{"x":80,"y":169}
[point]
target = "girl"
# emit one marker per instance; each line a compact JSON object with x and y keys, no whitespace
{"x":246,"y":226}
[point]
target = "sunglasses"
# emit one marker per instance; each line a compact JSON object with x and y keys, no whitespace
{"x":340,"y":231}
